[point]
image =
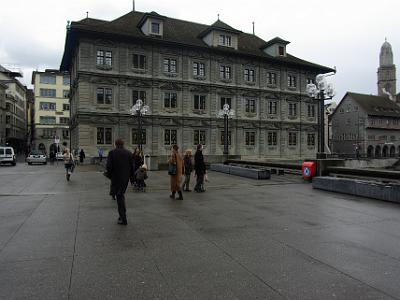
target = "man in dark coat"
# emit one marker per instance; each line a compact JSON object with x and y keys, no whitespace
{"x":120,"y":171}
{"x":199,"y":168}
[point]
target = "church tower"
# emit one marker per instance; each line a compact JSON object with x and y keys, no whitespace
{"x":386,"y":71}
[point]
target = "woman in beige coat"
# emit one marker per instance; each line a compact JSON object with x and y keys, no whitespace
{"x":176,"y":159}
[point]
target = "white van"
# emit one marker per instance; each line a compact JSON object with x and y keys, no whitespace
{"x":7,"y":156}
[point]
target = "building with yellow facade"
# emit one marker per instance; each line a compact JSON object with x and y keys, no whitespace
{"x":51,"y":117}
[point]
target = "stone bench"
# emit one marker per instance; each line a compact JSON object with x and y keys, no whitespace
{"x":364,"y":188}
{"x":242,"y":171}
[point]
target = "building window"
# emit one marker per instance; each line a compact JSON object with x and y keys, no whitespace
{"x":292,"y":138}
{"x":104,"y":58}
{"x":311,"y":111}
{"x":8,"y":119}
{"x":48,"y":133}
{"x":155,"y":28}
{"x":139,"y":61}
{"x":65,"y":133}
{"x":135,"y":137}
{"x":250,"y":106}
{"x":292,"y":109}
{"x":136,"y":95}
{"x":281,"y":50}
{"x":104,"y":136}
{"x":47,"y":120}
{"x":47,"y":106}
{"x":170,"y":137}
{"x":51,"y":93}
{"x":200,"y":102}
{"x":65,"y":93}
{"x":272,"y":138}
{"x":272,"y":107}
{"x":47,"y":79}
{"x":225,"y":40}
{"x":65,"y":107}
{"x":199,"y":137}
{"x":225,"y":72}
{"x":66,"y":80}
{"x":292,"y":81}
{"x":64,"y":120}
{"x":310,"y":81}
{"x":170,"y":100}
{"x":271,"y":78}
{"x":198,"y":69}
{"x":169,"y":65}
{"x":225,"y":100}
{"x":311,"y":139}
{"x":223,"y":138}
{"x":249,"y":75}
{"x":250,"y":138}
{"x":104,"y":95}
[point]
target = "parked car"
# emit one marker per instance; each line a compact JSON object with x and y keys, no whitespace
{"x":7,"y":156}
{"x":36,"y":157}
{"x":59,"y":156}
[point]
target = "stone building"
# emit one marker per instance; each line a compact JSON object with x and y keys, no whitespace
{"x":15,"y":101}
{"x":51,"y":121}
{"x":3,"y":88}
{"x":186,"y":72}
{"x":30,"y":118}
{"x":368,"y":123}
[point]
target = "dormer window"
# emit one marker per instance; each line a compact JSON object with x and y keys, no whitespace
{"x":281,"y":50}
{"x":225,"y":40}
{"x":155,"y":28}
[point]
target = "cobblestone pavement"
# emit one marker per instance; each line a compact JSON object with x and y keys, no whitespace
{"x":241,"y":239}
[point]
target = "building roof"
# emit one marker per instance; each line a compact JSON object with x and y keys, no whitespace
{"x":375,"y":105}
{"x":176,"y":32}
{"x":10,"y":73}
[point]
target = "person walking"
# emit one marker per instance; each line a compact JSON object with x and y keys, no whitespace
{"x":200,"y":169}
{"x":176,"y":162}
{"x":82,"y":156}
{"x":120,"y":171}
{"x":188,"y":168}
{"x":101,"y":152}
{"x":137,"y":162}
{"x":68,"y":163}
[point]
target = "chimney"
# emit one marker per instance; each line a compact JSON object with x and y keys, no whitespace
{"x":253,"y":29}
{"x":133,"y":5}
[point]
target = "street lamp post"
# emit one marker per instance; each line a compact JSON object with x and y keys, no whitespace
{"x":322,"y":91}
{"x":226,"y":112}
{"x":139,"y":109}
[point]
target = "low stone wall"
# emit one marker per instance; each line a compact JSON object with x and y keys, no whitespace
{"x":241,"y":171}
{"x":370,"y":163}
{"x":363,"y":188}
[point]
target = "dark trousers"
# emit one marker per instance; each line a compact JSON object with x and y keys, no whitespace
{"x":199,"y":183}
{"x":186,"y":182}
{"x":121,"y":207}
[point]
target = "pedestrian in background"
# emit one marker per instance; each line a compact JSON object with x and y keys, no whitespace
{"x":120,"y":171}
{"x":141,"y":176}
{"x":101,"y":152}
{"x":175,"y":160}
{"x":188,"y":168}
{"x":200,"y":169}
{"x":137,"y":162}
{"x":68,"y":162}
{"x":81,"y":156}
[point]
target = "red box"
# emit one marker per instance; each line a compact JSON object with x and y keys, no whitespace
{"x":308,"y":169}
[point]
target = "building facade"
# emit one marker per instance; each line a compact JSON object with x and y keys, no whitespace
{"x":370,"y":123}
{"x":186,"y":72}
{"x":3,"y":88}
{"x":15,"y":115}
{"x":30,"y":118}
{"x":51,"y":117}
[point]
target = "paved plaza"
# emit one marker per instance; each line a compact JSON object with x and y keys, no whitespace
{"x":242,"y":239}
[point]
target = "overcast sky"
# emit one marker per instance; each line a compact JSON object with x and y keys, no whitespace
{"x":347,"y":34}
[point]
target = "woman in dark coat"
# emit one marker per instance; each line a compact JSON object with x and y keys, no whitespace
{"x":199,"y":169}
{"x":176,"y":159}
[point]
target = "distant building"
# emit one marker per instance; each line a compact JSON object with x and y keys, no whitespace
{"x":15,"y":115}
{"x":329,"y":110}
{"x":51,"y":121}
{"x":3,"y":88}
{"x":30,"y":118}
{"x":186,"y":72}
{"x":368,"y":125}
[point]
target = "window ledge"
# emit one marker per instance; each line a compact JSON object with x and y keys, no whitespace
{"x":104,"y":67}
{"x":272,"y":148}
{"x":226,"y":80}
{"x":170,"y":110}
{"x":139,"y":71}
{"x":250,"y":147}
{"x":251,"y":83}
{"x":292,"y":117}
{"x":168,"y":74}
{"x":250,"y":114}
{"x":198,"y":77}
{"x":199,"y":111}
{"x":104,"y":106}
{"x":272,"y":86}
{"x":292,"y":88}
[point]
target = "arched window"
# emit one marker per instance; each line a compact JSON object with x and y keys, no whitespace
{"x":385,"y":151}
{"x":378,"y":151}
{"x":370,"y":151}
{"x":392,"y":151}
